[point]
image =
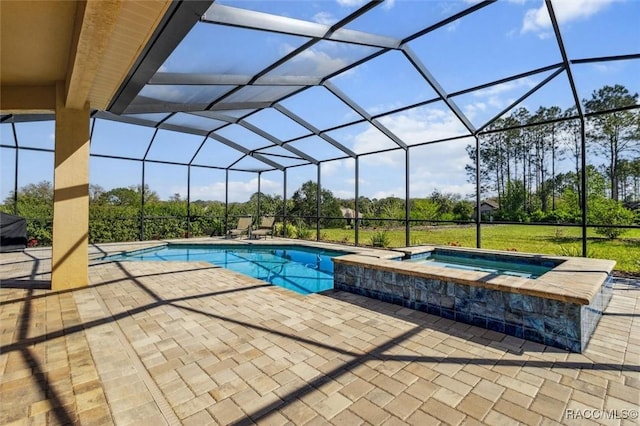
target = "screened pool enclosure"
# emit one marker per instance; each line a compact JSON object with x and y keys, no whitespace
{"x":528,"y":108}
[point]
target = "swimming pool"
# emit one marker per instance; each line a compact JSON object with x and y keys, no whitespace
{"x":304,"y":270}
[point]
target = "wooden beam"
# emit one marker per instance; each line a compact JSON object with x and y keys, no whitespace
{"x":95,"y":21}
{"x":27,"y":99}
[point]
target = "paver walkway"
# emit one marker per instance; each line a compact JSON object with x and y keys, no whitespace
{"x":190,"y":343}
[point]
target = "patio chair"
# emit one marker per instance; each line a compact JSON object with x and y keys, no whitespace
{"x":265,"y":228}
{"x":243,"y":227}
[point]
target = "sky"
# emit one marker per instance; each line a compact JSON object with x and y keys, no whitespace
{"x":503,"y":39}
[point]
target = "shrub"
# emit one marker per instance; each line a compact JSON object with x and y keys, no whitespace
{"x":609,"y":212}
{"x":217,"y":227}
{"x":380,"y":239}
{"x":281,"y":230}
{"x":303,"y":233}
{"x":41,"y":231}
{"x":576,"y":251}
{"x":558,"y":233}
{"x":555,"y":216}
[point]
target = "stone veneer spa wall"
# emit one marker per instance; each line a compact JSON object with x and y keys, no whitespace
{"x":510,"y":305}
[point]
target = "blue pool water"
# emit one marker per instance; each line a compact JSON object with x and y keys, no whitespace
{"x":301,"y":269}
{"x":495,"y":264}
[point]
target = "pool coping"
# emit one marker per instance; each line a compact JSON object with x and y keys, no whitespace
{"x":152,"y":245}
{"x":575,"y":280}
{"x":361,"y":251}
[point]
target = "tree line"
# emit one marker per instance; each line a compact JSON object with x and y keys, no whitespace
{"x":118,"y":214}
{"x":520,"y":157}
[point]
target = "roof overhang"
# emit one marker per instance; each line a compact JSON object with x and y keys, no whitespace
{"x":91,"y":46}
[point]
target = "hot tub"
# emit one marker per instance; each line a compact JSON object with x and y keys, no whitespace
{"x":560,"y":307}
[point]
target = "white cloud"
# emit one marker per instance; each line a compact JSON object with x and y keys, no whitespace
{"x":498,"y":89}
{"x":538,"y":21}
{"x":324,"y":18}
{"x":380,"y":108}
{"x":345,"y":194}
{"x":438,"y":166}
{"x":373,"y":140}
{"x":453,"y":26}
{"x":424,"y":124}
{"x":351,"y":3}
{"x":315,"y":62}
{"x":606,"y":68}
{"x":338,"y":167}
{"x":285,"y":48}
{"x":239,"y":191}
{"x":473,"y":109}
{"x":178,"y":94}
{"x":322,"y":59}
{"x":398,"y":191}
{"x":389,"y":4}
{"x":493,"y":99}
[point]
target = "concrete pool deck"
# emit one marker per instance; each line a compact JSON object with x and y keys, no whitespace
{"x":190,"y":343}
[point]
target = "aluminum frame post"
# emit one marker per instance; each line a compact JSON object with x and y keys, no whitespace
{"x":407,"y":208}
{"x":15,"y":184}
{"x":478,"y":195}
{"x":226,"y":201}
{"x":144,"y":159}
{"x":284,"y":203}
{"x":189,"y":201}
{"x":318,"y":202}
{"x":15,"y":176}
{"x":583,"y":184}
{"x":259,"y":195}
{"x":142,"y":204}
{"x":357,"y":202}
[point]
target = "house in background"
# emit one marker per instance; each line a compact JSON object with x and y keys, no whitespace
{"x":349,"y":214}
{"x":634,"y":206}
{"x":488,"y":209}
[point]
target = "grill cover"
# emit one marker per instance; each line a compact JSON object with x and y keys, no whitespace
{"x":13,"y":232}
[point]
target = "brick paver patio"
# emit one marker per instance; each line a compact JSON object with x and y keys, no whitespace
{"x":190,"y":343}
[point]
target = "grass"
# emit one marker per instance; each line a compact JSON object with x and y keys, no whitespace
{"x":556,"y":240}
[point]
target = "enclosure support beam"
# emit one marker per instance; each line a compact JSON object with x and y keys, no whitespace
{"x":15,"y":185}
{"x":15,"y":176}
{"x":259,"y":181}
{"x":407,"y":207}
{"x":357,"y":203}
{"x":70,"y":248}
{"x":318,"y":203}
{"x":189,"y":201}
{"x":142,"y":204}
{"x":144,"y":160}
{"x":478,"y":195}
{"x":226,"y":201}
{"x":284,"y":203}
{"x":583,"y":184}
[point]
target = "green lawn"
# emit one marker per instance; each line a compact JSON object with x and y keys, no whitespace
{"x":531,"y":239}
